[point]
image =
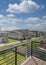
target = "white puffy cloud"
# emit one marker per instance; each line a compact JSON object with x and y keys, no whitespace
{"x":1,"y":16}
{"x":36,"y":23}
{"x":32,"y":19}
{"x":29,"y":25}
{"x":10,"y":15}
{"x":26,"y":6}
{"x":44,"y":17}
{"x":8,"y":22}
{"x":9,"y":28}
{"x":33,"y":23}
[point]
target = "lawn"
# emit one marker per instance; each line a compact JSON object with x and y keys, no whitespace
{"x":36,"y":46}
{"x":9,"y":58}
{"x":10,"y":43}
{"x":11,"y":40}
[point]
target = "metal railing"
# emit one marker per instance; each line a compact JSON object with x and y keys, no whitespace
{"x":38,"y":51}
{"x":15,"y":55}
{"x":19,"y":53}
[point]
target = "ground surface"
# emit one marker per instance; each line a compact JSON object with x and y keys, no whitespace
{"x":34,"y":61}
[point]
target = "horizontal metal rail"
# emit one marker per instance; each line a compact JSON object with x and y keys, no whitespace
{"x":18,"y":54}
{"x":15,"y":55}
{"x":38,"y":51}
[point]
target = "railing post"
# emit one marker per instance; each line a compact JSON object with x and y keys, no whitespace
{"x":31,"y":48}
{"x":15,"y":55}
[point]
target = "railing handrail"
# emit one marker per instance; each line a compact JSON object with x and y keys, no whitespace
{"x":13,"y":47}
{"x":18,"y":49}
{"x":18,"y":53}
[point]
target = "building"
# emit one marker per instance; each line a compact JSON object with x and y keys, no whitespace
{"x":43,"y":44}
{"x":15,"y":35}
{"x":3,"y":36}
{"x":37,"y":33}
{"x":25,"y":32}
{"x":20,"y":34}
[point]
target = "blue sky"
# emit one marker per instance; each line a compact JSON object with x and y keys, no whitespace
{"x":23,"y":14}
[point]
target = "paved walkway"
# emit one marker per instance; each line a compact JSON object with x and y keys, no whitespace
{"x":34,"y":61}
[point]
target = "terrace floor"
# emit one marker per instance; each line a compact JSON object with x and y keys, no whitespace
{"x":34,"y":61}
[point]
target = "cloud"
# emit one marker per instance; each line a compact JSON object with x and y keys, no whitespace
{"x":33,"y":23}
{"x":10,"y":15}
{"x":1,"y":16}
{"x":26,"y":6}
{"x":8,"y":22}
{"x":32,"y":19}
{"x":29,"y":25}
{"x":44,"y":17}
{"x":36,"y":23}
{"x":9,"y":28}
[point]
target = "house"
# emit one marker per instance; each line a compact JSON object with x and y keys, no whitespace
{"x":43,"y":44}
{"x":37,"y":33}
{"x":15,"y":35}
{"x":3,"y":36}
{"x":25,"y":32}
{"x":20,"y":34}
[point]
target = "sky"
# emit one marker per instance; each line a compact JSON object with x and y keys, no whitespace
{"x":23,"y":14}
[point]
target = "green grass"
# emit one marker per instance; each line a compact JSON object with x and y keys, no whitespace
{"x":10,"y":43}
{"x":6,"y":57}
{"x":11,"y":40}
{"x":36,"y":47}
{"x":9,"y":58}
